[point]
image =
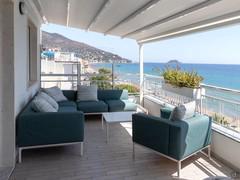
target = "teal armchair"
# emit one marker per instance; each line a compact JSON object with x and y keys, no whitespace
{"x":176,"y":140}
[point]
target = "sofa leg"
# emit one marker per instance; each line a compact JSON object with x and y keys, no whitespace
{"x":133,"y":152}
{"x":179,"y":169}
{"x":81,"y":148}
{"x":209,"y":152}
{"x":19,"y":155}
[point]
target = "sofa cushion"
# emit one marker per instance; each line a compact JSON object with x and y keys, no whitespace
{"x":49,"y":99}
{"x":121,"y":105}
{"x":183,"y":111}
{"x":112,"y":94}
{"x":41,"y":105}
{"x":92,"y":106}
{"x":67,"y":103}
{"x":56,"y":93}
{"x":165,"y":112}
{"x":87,"y":93}
{"x":67,"y":109}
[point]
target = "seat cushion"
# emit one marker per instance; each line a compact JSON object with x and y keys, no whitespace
{"x":121,"y":105}
{"x":92,"y":106}
{"x":67,"y":109}
{"x":67,"y":103}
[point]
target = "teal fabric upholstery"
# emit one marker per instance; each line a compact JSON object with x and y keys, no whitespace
{"x":71,"y":95}
{"x":67,"y":109}
{"x":92,"y":106}
{"x":176,"y":139}
{"x":165,"y":112}
{"x":120,"y":105}
{"x":67,"y":103}
{"x":114,"y":94}
{"x":35,"y":128}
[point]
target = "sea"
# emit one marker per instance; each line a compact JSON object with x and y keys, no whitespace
{"x":222,"y":75}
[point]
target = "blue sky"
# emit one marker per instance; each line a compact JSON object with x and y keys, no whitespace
{"x":220,"y":46}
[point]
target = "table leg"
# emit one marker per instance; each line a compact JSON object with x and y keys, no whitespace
{"x":107,"y":132}
{"x":102,"y":122}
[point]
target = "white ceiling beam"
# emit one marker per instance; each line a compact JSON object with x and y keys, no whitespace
{"x":139,"y":11}
{"x":68,"y":12}
{"x":220,"y":21}
{"x":173,"y":17}
{"x":100,"y":10}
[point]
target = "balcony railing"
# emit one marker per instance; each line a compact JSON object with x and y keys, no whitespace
{"x":222,"y":104}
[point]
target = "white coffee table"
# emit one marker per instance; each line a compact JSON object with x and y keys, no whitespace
{"x":118,"y":117}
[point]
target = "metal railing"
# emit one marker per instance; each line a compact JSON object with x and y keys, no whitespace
{"x":222,"y":104}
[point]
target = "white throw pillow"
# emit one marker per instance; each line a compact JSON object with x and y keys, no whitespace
{"x":87,"y":93}
{"x":41,"y":105}
{"x":49,"y":99}
{"x":56,"y":93}
{"x":183,"y":111}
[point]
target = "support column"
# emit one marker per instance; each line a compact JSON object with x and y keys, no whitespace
{"x":141,"y":73}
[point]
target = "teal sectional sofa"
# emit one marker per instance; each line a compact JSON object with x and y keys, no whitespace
{"x":176,"y":140}
{"x":108,"y":101}
{"x":65,"y":127}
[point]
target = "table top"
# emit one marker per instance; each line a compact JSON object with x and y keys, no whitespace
{"x":111,"y":117}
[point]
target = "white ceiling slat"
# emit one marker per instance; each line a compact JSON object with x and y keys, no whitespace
{"x":141,"y":10}
{"x":101,"y":9}
{"x":168,"y":18}
{"x":224,"y":20}
{"x":173,"y":17}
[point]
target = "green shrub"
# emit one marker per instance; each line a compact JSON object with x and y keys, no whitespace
{"x":181,"y":78}
{"x":131,"y":88}
{"x":102,"y":79}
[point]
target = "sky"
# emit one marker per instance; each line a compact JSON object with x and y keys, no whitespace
{"x":219,"y":46}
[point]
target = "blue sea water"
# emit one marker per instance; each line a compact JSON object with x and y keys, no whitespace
{"x":227,"y":76}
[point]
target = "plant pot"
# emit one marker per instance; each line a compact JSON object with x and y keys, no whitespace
{"x":193,"y":93}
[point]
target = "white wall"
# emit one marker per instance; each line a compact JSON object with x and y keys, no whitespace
{"x":23,"y":92}
{"x":225,"y":148}
{"x":7,"y":123}
{"x":14,"y":88}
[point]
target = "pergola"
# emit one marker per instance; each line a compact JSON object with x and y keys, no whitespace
{"x":142,"y":20}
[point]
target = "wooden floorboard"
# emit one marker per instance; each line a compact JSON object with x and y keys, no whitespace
{"x":110,"y":161}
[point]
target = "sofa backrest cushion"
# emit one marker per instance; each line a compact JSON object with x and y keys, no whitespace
{"x":112,"y":94}
{"x":71,"y":95}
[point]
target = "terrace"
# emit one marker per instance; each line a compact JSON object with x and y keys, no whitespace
{"x":22,"y":76}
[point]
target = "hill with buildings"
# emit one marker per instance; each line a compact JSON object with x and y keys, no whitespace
{"x":81,"y":50}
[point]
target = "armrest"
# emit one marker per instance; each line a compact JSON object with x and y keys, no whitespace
{"x":189,"y":136}
{"x":150,"y":131}
{"x":50,"y":128}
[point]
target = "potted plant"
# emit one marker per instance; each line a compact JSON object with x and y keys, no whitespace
{"x":182,"y":82}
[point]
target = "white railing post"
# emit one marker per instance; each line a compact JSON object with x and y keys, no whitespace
{"x":79,"y":73}
{"x":141,"y":73}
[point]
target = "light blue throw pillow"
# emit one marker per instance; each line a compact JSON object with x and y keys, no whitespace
{"x":49,"y":99}
{"x":41,"y":105}
{"x":87,"y":93}
{"x":183,"y":111}
{"x":56,"y":93}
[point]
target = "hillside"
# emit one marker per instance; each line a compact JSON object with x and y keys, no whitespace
{"x":81,"y":50}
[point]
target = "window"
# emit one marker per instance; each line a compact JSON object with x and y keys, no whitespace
{"x":32,"y":53}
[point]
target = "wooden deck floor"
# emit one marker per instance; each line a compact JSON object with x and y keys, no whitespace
{"x":109,"y":161}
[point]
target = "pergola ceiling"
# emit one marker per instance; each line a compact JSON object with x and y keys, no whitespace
{"x":142,"y":20}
